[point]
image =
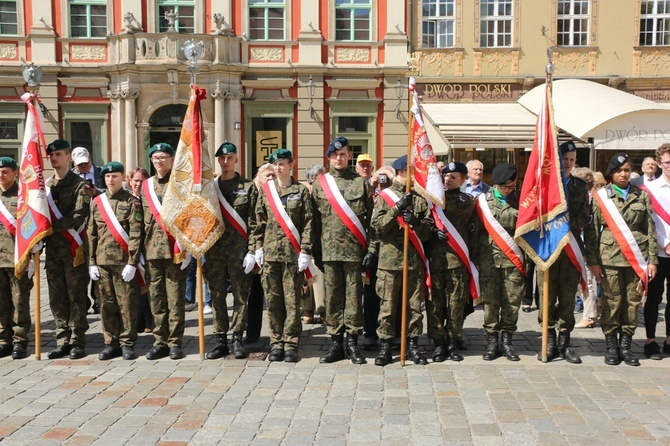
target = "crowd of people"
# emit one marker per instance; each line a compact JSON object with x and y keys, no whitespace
{"x":333,"y":250}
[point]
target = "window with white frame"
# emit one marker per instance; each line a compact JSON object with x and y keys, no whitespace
{"x":185,"y":9}
{"x":9,"y":19}
{"x":573,"y":23}
{"x":438,"y":19}
{"x":496,"y":21}
{"x":353,"y":20}
{"x":267,"y":19}
{"x":88,"y":18}
{"x":655,"y":23}
{"x":12,"y":119}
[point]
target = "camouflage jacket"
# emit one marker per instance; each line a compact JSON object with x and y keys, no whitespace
{"x":74,"y":205}
{"x":9,"y":198}
{"x":579,"y":208}
{"x":332,"y":238}
{"x":459,"y":210}
{"x":636,"y":210}
{"x":486,"y":253}
{"x":155,"y":240}
{"x":269,"y":235}
{"x":391,"y":234}
{"x":242,"y":195}
{"x":104,"y":249}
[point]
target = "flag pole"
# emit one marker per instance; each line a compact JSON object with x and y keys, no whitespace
{"x":201,"y":317}
{"x":405,"y":262}
{"x":38,"y":317}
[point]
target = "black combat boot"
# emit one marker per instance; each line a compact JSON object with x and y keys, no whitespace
{"x":565,"y":350}
{"x":625,"y":353}
{"x":238,"y":346}
{"x":552,"y":348}
{"x":413,"y":352}
{"x":336,"y":352}
{"x":440,"y":352}
{"x":492,"y":348}
{"x":221,"y":350}
{"x":452,"y":349}
{"x":385,"y":355}
{"x":352,"y":352}
{"x":611,"y":350}
{"x":507,"y":348}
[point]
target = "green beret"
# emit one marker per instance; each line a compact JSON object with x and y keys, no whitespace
{"x":226,"y":149}
{"x":112,"y":167}
{"x":59,"y":144}
{"x":161,"y":147}
{"x":280,"y":154}
{"x":6,"y":161}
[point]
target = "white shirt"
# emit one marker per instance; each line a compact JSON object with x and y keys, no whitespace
{"x":661,"y":190}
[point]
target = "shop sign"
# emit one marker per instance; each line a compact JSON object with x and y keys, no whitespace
{"x":469,"y":92}
{"x":267,"y":141}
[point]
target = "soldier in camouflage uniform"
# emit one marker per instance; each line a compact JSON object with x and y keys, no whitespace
{"x":67,"y":275}
{"x":413,"y":210}
{"x":564,"y":278}
{"x":503,"y":285}
{"x":223,"y":261}
{"x":283,"y":267}
{"x":342,"y":253}
{"x":111,"y":266}
{"x":450,"y":276}
{"x":14,"y":293}
{"x":165,"y":276}
{"x":617,"y":278}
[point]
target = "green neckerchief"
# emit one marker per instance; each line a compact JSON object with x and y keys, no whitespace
{"x":622,"y":192}
{"x":499,"y":196}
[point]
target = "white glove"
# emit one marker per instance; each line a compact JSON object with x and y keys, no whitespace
{"x":303,"y":261}
{"x":37,"y":247}
{"x":128,"y":273}
{"x":260,"y":256}
{"x":93,"y":272}
{"x":31,"y":268}
{"x":248,"y":263}
{"x":186,"y":262}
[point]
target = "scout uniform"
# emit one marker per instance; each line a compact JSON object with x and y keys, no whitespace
{"x":115,"y":236}
{"x":223,"y":261}
{"x":342,"y":211}
{"x":14,"y":293}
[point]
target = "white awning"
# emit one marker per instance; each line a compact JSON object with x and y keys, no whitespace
{"x":616,"y":120}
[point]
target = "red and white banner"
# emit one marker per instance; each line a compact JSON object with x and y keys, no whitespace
{"x":73,"y":237}
{"x":155,"y":206}
{"x":230,"y":214}
{"x":499,"y":235}
{"x":342,"y":208}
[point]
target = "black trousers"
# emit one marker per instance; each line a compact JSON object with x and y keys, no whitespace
{"x":654,"y":297}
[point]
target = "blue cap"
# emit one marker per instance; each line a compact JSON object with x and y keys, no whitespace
{"x":400,"y":163}
{"x":567,"y":147}
{"x":337,"y":144}
{"x":455,"y":166}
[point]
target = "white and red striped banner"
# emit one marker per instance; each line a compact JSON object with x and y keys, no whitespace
{"x":499,"y":235}
{"x":342,"y":208}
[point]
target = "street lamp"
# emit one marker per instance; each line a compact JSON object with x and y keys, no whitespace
{"x":399,"y":91}
{"x":311,"y":89}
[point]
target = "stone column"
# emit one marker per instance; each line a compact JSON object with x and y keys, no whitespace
{"x":117,"y":128}
{"x":219,"y":115}
{"x":130,"y":94}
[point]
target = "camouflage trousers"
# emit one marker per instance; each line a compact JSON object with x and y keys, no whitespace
{"x":68,"y":296}
{"x":118,"y":306}
{"x":389,"y":289}
{"x":502,"y":292}
{"x":451,"y":290}
{"x":14,"y":307}
{"x":344,"y":297}
{"x":217,"y":272}
{"x":564,"y":280}
{"x":282,"y":284}
{"x":167,"y":288}
{"x":620,"y":300}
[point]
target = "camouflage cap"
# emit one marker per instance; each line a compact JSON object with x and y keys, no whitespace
{"x":280,"y":154}
{"x":161,"y":147}
{"x":59,"y":144}
{"x":112,"y":167}
{"x":6,"y":161}
{"x":225,"y":149}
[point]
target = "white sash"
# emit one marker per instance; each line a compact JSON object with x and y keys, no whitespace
{"x":230,"y":214}
{"x":499,"y":235}
{"x":342,"y":208}
{"x":7,"y":218}
{"x":56,"y":212}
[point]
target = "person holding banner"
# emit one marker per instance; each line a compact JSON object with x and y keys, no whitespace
{"x":115,"y":237}
{"x":166,"y":268}
{"x":393,"y":210}
{"x":65,"y":265}
{"x":226,"y":258}
{"x":282,"y":245}
{"x":500,"y":262}
{"x":342,"y":211}
{"x":622,"y":253}
{"x":14,"y":292}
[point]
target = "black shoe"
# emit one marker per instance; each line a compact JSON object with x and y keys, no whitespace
{"x":221,"y":350}
{"x":157,"y":352}
{"x":128,"y":352}
{"x":276,"y":354}
{"x":176,"y":352}
{"x":96,"y":307}
{"x":77,"y":352}
{"x":552,"y":348}
{"x":565,"y":350}
{"x":109,"y":352}
{"x":507,"y":348}
{"x":454,"y":354}
{"x":238,"y":346}
{"x":19,"y":351}
{"x":625,"y":353}
{"x":666,"y":348}
{"x":652,"y":351}
{"x":414,"y":354}
{"x":527,"y":309}
{"x":60,"y":351}
{"x":439,"y":354}
{"x":492,"y":348}
{"x":385,"y":355}
{"x":5,"y":350}
{"x":291,"y":355}
{"x":336,"y":352}
{"x":611,"y":350}
{"x":352,"y":351}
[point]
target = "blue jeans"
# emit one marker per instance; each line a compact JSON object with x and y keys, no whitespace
{"x":191,"y":284}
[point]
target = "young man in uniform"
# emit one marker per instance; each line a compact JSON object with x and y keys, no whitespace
{"x":115,"y":237}
{"x":282,"y":246}
{"x":342,"y":210}
{"x":67,"y":274}
{"x":226,"y":259}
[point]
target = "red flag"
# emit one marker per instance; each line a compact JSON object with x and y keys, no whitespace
{"x":33,"y":220}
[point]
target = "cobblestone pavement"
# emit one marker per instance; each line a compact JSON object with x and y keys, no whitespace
{"x":256,"y":402}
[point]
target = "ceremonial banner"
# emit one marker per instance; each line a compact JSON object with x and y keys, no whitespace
{"x":190,"y":208}
{"x":33,"y":219}
{"x":543,"y":225}
{"x":427,"y":179}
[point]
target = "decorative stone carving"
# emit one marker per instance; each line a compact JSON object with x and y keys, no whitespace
{"x":267,"y":54}
{"x":477,"y":55}
{"x":495,"y":60}
{"x":571,"y":61}
{"x":352,"y":55}
{"x":637,"y":56}
{"x":656,"y":61}
{"x":436,"y":63}
{"x":88,"y":52}
{"x":8,"y":51}
{"x":131,"y":25}
{"x":414,"y":63}
{"x":171,"y":16}
{"x":219,"y":26}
